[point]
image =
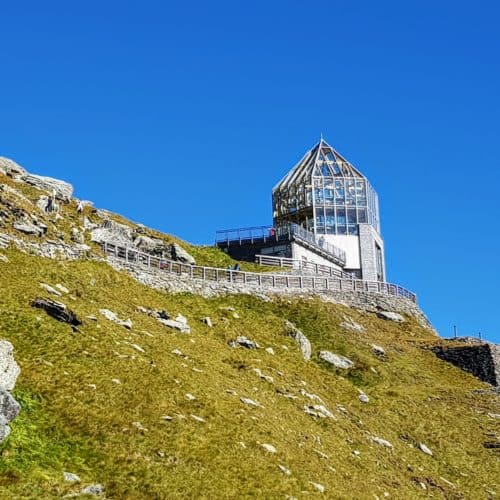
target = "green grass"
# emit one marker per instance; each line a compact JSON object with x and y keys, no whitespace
{"x":67,"y":424}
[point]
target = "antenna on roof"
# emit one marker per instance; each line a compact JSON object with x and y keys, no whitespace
{"x":321,"y":137}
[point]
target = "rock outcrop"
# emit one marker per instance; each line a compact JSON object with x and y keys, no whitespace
{"x":301,"y":340}
{"x":62,"y":190}
{"x":11,"y":168}
{"x":9,"y":371}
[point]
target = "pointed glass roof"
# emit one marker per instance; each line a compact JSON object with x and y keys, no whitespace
{"x":322,"y":161}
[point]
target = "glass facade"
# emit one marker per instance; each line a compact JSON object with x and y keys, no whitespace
{"x":325,"y":194}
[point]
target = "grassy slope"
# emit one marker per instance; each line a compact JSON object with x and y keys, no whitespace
{"x":66,"y":424}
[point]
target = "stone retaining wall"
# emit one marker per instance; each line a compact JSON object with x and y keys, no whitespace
{"x":174,"y":283}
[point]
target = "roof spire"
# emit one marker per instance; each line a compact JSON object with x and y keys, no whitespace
{"x":321,"y":137}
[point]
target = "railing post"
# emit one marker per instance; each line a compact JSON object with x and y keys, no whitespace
{"x":301,"y":284}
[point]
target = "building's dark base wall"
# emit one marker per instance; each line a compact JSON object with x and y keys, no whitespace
{"x":482,"y":360}
{"x":248,"y":251}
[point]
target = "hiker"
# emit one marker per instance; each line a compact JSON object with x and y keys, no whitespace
{"x":50,"y":205}
{"x":79,"y":208}
{"x":237,"y":267}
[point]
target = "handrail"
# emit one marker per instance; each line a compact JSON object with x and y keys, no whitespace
{"x":152,"y":262}
{"x":282,"y":233}
{"x":301,"y":265}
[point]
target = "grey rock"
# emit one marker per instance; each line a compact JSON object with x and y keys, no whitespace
{"x":88,"y":225}
{"x":4,"y":258}
{"x":11,"y":168}
{"x":364,"y":398}
{"x":70,"y":477}
{"x":301,"y":340}
{"x":93,"y":489}
{"x":114,"y":233}
{"x":50,"y":289}
{"x":9,"y":409}
{"x":251,"y":402}
{"x":425,"y":449}
{"x":63,"y":190}
{"x":350,"y":324}
{"x":285,"y":471}
{"x":61,"y":288}
{"x":111,"y":316}
{"x":319,"y":487}
{"x":181,"y":326}
{"x":178,"y":253}
{"x":336,"y":360}
{"x":243,"y":342}
{"x":381,"y":442}
{"x":269,"y":447}
{"x":153,"y":246}
{"x":391,"y":316}
{"x":9,"y":369}
{"x":77,"y":236}
{"x":207,"y":321}
{"x":318,"y":411}
{"x":57,"y":310}
{"x":379,"y":351}
{"x":28,"y":228}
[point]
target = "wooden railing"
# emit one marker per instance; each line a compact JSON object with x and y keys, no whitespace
{"x":322,"y":283}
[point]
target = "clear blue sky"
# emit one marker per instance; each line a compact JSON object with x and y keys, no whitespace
{"x":183,"y":116}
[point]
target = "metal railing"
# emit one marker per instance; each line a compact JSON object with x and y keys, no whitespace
{"x":302,"y":265}
{"x":321,"y":283}
{"x":288,"y":232}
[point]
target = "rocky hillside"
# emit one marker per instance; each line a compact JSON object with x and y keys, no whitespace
{"x":130,"y":392}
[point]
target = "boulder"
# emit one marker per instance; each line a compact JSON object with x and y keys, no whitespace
{"x":391,"y":316}
{"x":381,"y":442}
{"x":9,"y":409}
{"x":153,"y":246}
{"x":301,"y":340}
{"x":57,"y":310}
{"x":28,"y":228}
{"x":111,"y":316}
{"x":114,"y":233}
{"x":336,"y":360}
{"x":62,"y":190}
{"x":176,"y":324}
{"x":9,"y":369}
{"x":179,"y":254}
{"x":11,"y":168}
{"x":242,"y":341}
{"x":378,"y":350}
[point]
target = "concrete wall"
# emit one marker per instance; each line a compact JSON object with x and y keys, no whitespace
{"x":300,"y":253}
{"x":368,"y":239}
{"x":350,"y":245}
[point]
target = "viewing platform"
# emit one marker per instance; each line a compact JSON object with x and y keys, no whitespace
{"x":260,"y":237}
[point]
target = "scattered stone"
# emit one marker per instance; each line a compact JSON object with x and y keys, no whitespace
{"x":116,"y":381}
{"x":190,"y":397}
{"x":111,"y":316}
{"x":180,"y":324}
{"x":285,"y":471}
{"x":318,"y":411}
{"x":321,"y":454}
{"x":28,"y":228}
{"x":236,"y":315}
{"x":9,"y":369}
{"x":57,"y":310}
{"x":50,"y":289}
{"x":207,"y":321}
{"x":425,"y":449}
{"x":364,"y":398}
{"x":259,"y":373}
{"x":92,"y":318}
{"x":198,"y":419}
{"x":356,"y":453}
{"x":300,"y":339}
{"x":70,"y":477}
{"x":4,"y":258}
{"x":92,"y":386}
{"x":139,"y":426}
{"x":62,"y":190}
{"x":381,"y":442}
{"x":312,"y":397}
{"x":269,"y":447}
{"x":336,"y":360}
{"x":93,"y":489}
{"x":318,"y":487}
{"x":137,"y":348}
{"x":494,"y":415}
{"x":378,"y":351}
{"x":61,"y":288}
{"x":227,"y":308}
{"x":251,"y":402}
{"x":350,"y":324}
{"x":178,"y":352}
{"x":270,"y":350}
{"x":167,"y":418}
{"x":391,"y":316}
{"x":243,"y":342}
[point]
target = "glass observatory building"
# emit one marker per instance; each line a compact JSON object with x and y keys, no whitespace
{"x":325,"y":212}
{"x":327,"y":196}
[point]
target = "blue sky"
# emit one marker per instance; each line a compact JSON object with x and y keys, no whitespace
{"x":183,"y":116}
